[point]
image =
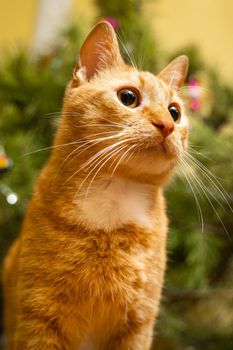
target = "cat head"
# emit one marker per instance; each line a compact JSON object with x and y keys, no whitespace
{"x":120,"y":117}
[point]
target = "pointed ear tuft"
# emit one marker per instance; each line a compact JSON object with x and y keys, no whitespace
{"x":99,"y":51}
{"x":174,"y":73}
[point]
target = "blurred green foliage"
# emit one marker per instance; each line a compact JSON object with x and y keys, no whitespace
{"x":135,"y":36}
{"x":197,"y":311}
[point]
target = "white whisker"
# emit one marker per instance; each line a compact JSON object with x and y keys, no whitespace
{"x":205,"y":192}
{"x":130,"y":55}
{"x":191,"y":184}
{"x":109,"y":148}
{"x":90,"y":144}
{"x":90,"y":160}
{"x":108,"y":156}
{"x":99,"y":125}
{"x":114,"y":123}
{"x":211,"y":178}
{"x":121,"y":159}
{"x":51,"y":147}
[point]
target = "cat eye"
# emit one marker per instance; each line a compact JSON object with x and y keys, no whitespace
{"x":129,"y":97}
{"x":175,"y":112}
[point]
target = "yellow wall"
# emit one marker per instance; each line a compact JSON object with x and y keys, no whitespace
{"x":18,"y":19}
{"x":17,"y":22}
{"x":207,"y":23}
{"x":85,"y":10}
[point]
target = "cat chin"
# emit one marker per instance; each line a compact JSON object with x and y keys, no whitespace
{"x":155,"y":160}
{"x":152,"y":164}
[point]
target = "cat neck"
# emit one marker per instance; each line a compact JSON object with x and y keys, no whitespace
{"x":114,"y":202}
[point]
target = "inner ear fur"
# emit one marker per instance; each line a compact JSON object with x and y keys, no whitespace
{"x":99,"y":51}
{"x":175,"y":72}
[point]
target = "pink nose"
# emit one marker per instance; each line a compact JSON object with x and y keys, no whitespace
{"x":166,"y":127}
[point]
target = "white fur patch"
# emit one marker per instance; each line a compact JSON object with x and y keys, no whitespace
{"x":116,"y":202}
{"x":184,"y":123}
{"x":86,"y":344}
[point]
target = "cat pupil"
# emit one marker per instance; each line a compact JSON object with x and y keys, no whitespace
{"x":175,"y":113}
{"x":128,"y":98}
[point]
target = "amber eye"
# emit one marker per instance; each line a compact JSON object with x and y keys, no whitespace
{"x":175,"y":112}
{"x":128,"y":97}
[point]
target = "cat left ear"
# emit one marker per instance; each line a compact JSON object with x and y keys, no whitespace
{"x":99,"y":51}
{"x":174,"y":73}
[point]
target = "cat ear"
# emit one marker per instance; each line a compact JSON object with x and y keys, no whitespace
{"x":99,"y":51}
{"x":175,"y":73}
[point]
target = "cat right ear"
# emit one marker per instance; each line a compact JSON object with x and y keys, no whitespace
{"x":174,"y":73}
{"x":100,"y":51}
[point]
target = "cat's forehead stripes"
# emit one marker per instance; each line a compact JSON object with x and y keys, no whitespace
{"x":153,"y":89}
{"x":142,"y":80}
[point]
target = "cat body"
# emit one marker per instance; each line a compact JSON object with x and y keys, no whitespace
{"x":87,"y":270}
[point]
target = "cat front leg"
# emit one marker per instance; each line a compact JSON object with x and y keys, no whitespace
{"x":136,"y":331}
{"x":38,"y":334}
{"x":138,"y":339}
{"x":47,"y":342}
{"x":43,"y":332}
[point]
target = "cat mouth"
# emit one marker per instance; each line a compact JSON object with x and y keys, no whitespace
{"x":156,"y":148}
{"x":162,"y":149}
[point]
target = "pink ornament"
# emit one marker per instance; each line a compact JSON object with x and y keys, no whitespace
{"x":114,"y":23}
{"x":194,"y":94}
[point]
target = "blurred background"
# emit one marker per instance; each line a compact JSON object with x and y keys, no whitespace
{"x":39,"y":42}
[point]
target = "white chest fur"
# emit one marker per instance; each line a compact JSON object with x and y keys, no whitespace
{"x":111,"y":204}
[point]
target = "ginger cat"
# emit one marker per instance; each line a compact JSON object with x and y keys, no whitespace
{"x":87,"y":270}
